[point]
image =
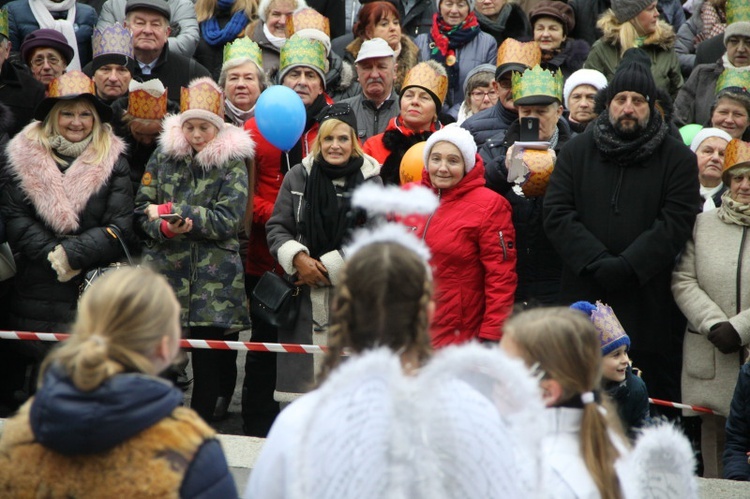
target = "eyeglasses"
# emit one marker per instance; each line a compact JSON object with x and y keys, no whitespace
{"x":480,"y":95}
{"x":39,"y":61}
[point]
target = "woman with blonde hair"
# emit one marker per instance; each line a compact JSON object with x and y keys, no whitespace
{"x":102,"y":422}
{"x":582,"y":443}
{"x":220,"y":22}
{"x":67,"y":186}
{"x":631,"y":24}
{"x":311,"y":220}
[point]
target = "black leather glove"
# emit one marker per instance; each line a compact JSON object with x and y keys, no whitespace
{"x":725,"y":337}
{"x":612,"y":272}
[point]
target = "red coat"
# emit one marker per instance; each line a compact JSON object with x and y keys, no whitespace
{"x":473,"y":247}
{"x":374,"y":145}
{"x":268,"y":179}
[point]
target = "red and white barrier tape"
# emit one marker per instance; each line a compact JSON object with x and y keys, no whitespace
{"x":269,"y":347}
{"x":676,"y":405}
{"x":202,"y":344}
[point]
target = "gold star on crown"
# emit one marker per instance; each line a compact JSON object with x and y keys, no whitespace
{"x":536,"y":82}
{"x":113,"y":39}
{"x":71,"y":83}
{"x":422,"y":75}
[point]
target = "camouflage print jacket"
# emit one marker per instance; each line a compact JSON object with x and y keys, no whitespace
{"x":209,"y":187}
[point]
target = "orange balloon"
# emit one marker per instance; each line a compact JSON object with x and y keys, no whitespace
{"x":412,"y":164}
{"x":540,"y":165}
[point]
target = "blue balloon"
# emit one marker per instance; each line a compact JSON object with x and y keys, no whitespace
{"x":280,"y":115}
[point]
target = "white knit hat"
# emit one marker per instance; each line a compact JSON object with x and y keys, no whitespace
{"x":459,"y":137}
{"x":583,"y":77}
{"x":264,"y":5}
{"x":707,"y":133}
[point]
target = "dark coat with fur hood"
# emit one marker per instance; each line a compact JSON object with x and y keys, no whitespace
{"x":44,"y":206}
{"x":407,"y":58}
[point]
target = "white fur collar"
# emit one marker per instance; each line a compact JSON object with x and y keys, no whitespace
{"x":59,"y":197}
{"x":231,"y":143}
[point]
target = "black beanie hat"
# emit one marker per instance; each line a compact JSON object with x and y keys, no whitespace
{"x":341,"y":111}
{"x":633,"y":74}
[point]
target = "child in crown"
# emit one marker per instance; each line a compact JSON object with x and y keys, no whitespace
{"x":619,"y":379}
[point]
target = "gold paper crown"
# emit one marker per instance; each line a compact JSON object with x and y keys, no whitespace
{"x":299,"y":51}
{"x":737,"y":11}
{"x":71,"y":83}
{"x":611,"y":333}
{"x":143,"y":105}
{"x":307,"y":18}
{"x":202,"y":94}
{"x":737,"y":154}
{"x":422,"y":75}
{"x":733,"y":78}
{"x":537,"y":82}
{"x":511,"y":51}
{"x":243,"y":48}
{"x":114,"y":39}
{"x":4,"y":30}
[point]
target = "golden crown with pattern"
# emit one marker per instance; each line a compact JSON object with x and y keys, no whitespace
{"x":537,"y":82}
{"x":611,"y":333}
{"x":71,"y":83}
{"x":114,"y":39}
{"x":307,"y":18}
{"x":736,"y":155}
{"x":299,"y":51}
{"x":737,"y":11}
{"x":204,"y":95}
{"x":243,"y":48}
{"x":511,"y":51}
{"x":733,"y":79}
{"x":143,"y":105}
{"x":4,"y":29}
{"x":424,"y":76}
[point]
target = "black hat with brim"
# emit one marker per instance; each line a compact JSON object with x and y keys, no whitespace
{"x":509,"y":66}
{"x":44,"y":107}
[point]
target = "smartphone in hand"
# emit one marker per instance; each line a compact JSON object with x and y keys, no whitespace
{"x":171,"y":217}
{"x":529,"y":129}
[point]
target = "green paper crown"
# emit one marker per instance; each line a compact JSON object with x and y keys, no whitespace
{"x":737,"y":11}
{"x":243,"y":48}
{"x":298,"y":51}
{"x":537,"y":82}
{"x":733,"y":79}
{"x":4,"y":23}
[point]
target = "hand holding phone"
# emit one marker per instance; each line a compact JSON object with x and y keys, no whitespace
{"x":529,"y":129}
{"x":171,"y":217}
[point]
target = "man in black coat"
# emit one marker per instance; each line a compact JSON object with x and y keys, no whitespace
{"x":148,"y":21}
{"x":620,"y":206}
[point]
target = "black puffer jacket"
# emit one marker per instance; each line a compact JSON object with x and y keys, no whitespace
{"x":538,"y":267}
{"x":44,"y":206}
{"x":488,"y":123}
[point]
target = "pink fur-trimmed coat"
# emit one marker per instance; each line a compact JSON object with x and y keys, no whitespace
{"x":45,"y":205}
{"x":211,"y":188}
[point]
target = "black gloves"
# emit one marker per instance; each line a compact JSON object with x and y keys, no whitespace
{"x":725,"y":337}
{"x":612,"y":272}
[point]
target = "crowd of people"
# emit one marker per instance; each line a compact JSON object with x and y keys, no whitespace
{"x":583,"y":156}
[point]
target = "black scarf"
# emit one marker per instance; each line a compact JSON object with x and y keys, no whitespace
{"x":510,"y":23}
{"x":398,"y":143}
{"x":295,"y":153}
{"x":327,"y":219}
{"x":631,"y":151}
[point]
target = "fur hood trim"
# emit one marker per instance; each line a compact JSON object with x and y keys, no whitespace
{"x":664,"y":37}
{"x":59,"y":198}
{"x":231,"y":143}
{"x":370,"y":168}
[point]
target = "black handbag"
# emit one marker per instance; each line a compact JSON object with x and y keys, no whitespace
{"x":95,"y":273}
{"x":276,"y":300}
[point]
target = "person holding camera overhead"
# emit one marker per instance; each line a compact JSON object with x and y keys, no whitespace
{"x":537,"y":94}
